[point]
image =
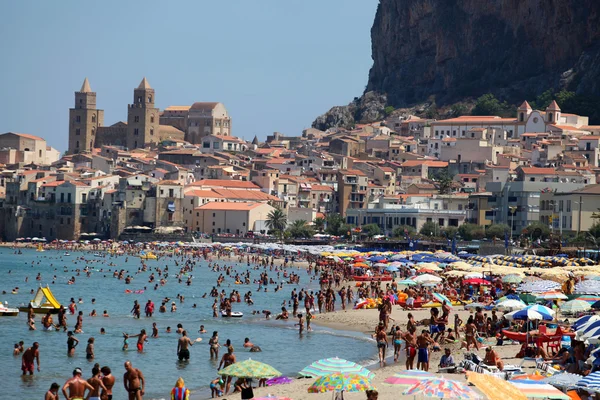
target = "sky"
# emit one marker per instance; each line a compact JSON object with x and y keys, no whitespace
{"x":275,"y":64}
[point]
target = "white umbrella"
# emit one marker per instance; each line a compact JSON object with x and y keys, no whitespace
{"x":575,"y":306}
{"x":511,"y":305}
{"x":427,"y":278}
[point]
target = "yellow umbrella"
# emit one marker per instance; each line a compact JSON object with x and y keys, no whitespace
{"x":494,"y":388}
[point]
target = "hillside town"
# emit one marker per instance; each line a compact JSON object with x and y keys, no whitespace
{"x":183,"y":170}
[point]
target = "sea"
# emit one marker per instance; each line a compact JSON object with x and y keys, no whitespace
{"x":282,"y":346}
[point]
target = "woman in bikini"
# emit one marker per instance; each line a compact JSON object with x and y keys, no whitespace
{"x":382,"y":343}
{"x":470,"y":332}
{"x":397,"y":335}
{"x":214,"y":345}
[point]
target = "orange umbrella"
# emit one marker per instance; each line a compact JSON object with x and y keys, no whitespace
{"x":361,"y":264}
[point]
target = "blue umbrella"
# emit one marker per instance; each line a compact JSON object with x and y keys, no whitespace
{"x":391,"y":268}
{"x":590,"y":382}
{"x":580,"y":322}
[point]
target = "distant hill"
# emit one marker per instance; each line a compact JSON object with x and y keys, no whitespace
{"x":446,"y":51}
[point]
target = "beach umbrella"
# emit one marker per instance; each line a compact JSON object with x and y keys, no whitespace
{"x":443,"y":389}
{"x":250,"y":369}
{"x":511,"y":305}
{"x":338,"y":382}
{"x":587,"y":287}
{"x":538,"y":390}
{"x":538,"y":286}
{"x":586,"y":319}
{"x":494,"y":388}
{"x":541,"y":309}
{"x":391,"y":268}
{"x":427,"y":278}
{"x":512,"y":278}
{"x":441,"y":298}
{"x":562,"y":380}
{"x":575,"y":306}
{"x":526,"y":314}
{"x":407,"y":282}
{"x":380,"y":265}
{"x":590,"y":382}
{"x":409,"y":378}
{"x":553,"y":295}
{"x":589,"y":298}
{"x":280,"y":380}
{"x":328,"y":366}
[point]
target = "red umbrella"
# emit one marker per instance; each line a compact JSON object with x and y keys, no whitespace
{"x":476,"y":281}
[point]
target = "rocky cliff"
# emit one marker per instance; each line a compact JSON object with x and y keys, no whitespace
{"x":450,"y":50}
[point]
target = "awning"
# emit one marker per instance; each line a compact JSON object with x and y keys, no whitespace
{"x":171,"y":206}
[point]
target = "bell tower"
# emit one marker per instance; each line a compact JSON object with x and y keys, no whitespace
{"x":553,"y":113}
{"x":84,"y":120}
{"x":142,"y":117}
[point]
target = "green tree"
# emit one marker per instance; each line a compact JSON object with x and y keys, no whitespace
{"x":388,"y":110}
{"x":443,"y":180}
{"x":300,"y":229}
{"x":430,"y":228}
{"x":457,"y":110}
{"x":371,"y":230}
{"x":450,"y":231}
{"x":471,"y":231}
{"x":497,"y":231}
{"x":344,"y":229}
{"x":399,"y":231}
{"x":334,"y":222}
{"x":595,"y":230}
{"x":537,"y":230}
{"x":488,"y":104}
{"x":319,"y":224}
{"x":277,"y":221}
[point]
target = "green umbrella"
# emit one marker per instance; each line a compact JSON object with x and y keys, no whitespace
{"x":250,"y":369}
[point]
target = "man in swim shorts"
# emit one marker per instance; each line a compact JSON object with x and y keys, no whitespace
{"x":423,"y":342}
{"x":76,"y":386}
{"x":29,"y":356}
{"x":96,"y":383}
{"x":108,"y":380}
{"x":134,"y":382}
{"x":182,"y":346}
{"x":411,"y":347}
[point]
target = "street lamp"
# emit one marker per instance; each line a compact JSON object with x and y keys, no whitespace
{"x":580,"y":202}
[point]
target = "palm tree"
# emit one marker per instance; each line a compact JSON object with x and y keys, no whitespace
{"x":300,"y":229}
{"x":277,"y":221}
{"x":319,"y":224}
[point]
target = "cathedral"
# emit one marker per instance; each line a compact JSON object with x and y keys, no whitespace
{"x":146,"y":125}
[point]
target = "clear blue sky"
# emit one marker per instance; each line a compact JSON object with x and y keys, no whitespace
{"x":275,"y":64}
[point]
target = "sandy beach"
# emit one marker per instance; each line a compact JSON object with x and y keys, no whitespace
{"x":365,"y":321}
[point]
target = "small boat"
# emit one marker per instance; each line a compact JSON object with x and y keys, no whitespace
{"x":522,"y":336}
{"x":97,"y":255}
{"x":234,"y":314}
{"x":376,"y":278}
{"x":66,"y":254}
{"x":8,"y":312}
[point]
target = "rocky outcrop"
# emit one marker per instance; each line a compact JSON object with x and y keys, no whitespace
{"x":451,"y":50}
{"x":454,"y":49}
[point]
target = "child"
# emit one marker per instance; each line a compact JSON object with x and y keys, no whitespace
{"x":125,"y":343}
{"x":457,"y":323}
{"x":89,"y":350}
{"x":300,"y":323}
{"x":309,"y":317}
{"x":216,"y":387}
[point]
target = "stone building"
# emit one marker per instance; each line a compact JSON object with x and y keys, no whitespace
{"x":143,"y":118}
{"x":84,"y":120}
{"x":199,"y":120}
{"x":22,"y":148}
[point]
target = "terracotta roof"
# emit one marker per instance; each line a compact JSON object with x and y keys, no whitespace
{"x":167,"y":183}
{"x":468,"y":119}
{"x":25,"y":135}
{"x":229,"y":206}
{"x":203,"y":105}
{"x":429,"y":163}
{"x":538,"y":171}
{"x":225,"y":183}
{"x":352,"y":172}
{"x":321,"y":188}
{"x":553,"y":106}
{"x":525,"y":106}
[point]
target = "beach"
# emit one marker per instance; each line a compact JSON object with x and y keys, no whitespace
{"x":364,"y":321}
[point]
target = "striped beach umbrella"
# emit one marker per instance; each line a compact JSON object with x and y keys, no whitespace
{"x":590,"y":382}
{"x":408,"y":378}
{"x":337,"y":382}
{"x":574,"y":306}
{"x":526,"y":314}
{"x":442,"y":298}
{"x":586,"y":319}
{"x":552,"y":295}
{"x":332,"y":365}
{"x":538,"y":390}
{"x":443,"y":389}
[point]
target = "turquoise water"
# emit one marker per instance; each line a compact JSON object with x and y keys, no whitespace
{"x":282,"y":347}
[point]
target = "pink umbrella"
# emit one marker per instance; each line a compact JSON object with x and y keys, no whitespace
{"x":280,"y":380}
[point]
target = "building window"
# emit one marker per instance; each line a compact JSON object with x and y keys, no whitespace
{"x":136,"y":131}
{"x":568,"y":205}
{"x":78,"y":118}
{"x":78,"y":132}
{"x":77,"y":144}
{"x":171,"y":193}
{"x":149,"y":99}
{"x":214,"y":215}
{"x":93,"y":118}
{"x":136,"y":118}
{"x":151,"y":131}
{"x":152,"y":119}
